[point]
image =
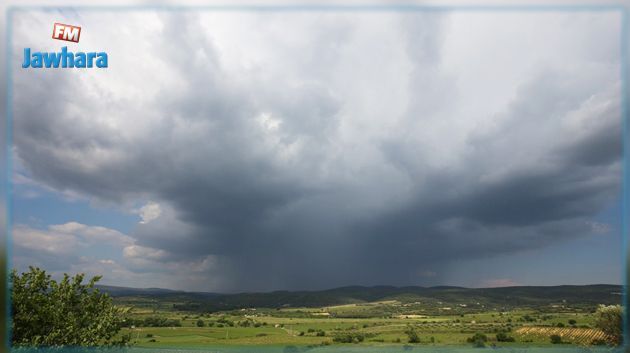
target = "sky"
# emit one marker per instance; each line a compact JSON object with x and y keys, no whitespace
{"x":254,"y":151}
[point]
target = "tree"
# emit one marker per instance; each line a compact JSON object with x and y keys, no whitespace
{"x":555,"y":339}
{"x":200,"y":323}
{"x":412,"y":335}
{"x":503,"y":337}
{"x":610,"y":320}
{"x":478,"y":340}
{"x":47,"y":313}
{"x":477,"y":337}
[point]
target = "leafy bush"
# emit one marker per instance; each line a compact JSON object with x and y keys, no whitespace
{"x":47,"y":313}
{"x":477,"y":337}
{"x":349,"y":337}
{"x":528,"y":318}
{"x":412,"y":335}
{"x":503,"y":337}
{"x":555,"y":339}
{"x":225,"y":322}
{"x":609,"y":319}
{"x":246,"y":323}
{"x":152,"y":321}
{"x":479,"y":344}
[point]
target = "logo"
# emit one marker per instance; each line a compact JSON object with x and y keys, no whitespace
{"x":64,"y":58}
{"x":65,"y":32}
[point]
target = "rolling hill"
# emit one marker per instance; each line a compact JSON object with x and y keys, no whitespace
{"x":430,"y":297}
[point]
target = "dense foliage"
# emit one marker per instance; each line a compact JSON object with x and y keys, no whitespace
{"x":610,"y":320}
{"x":47,"y":313}
{"x":555,"y":339}
{"x":152,"y":321}
{"x":503,"y":337}
{"x":478,"y":340}
{"x":412,"y":335}
{"x":351,"y":337}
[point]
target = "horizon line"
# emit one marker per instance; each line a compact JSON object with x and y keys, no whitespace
{"x":351,"y":286}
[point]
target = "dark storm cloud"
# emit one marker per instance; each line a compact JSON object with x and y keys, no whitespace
{"x":292,"y":180}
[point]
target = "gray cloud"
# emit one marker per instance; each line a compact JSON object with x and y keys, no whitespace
{"x":345,"y":150}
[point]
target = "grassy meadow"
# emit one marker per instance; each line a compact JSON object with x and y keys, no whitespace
{"x":364,"y":324}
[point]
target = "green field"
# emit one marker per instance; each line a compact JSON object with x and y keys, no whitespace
{"x":322,"y":326}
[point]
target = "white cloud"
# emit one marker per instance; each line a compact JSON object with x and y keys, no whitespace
{"x":144,"y":253}
{"x":78,"y":248}
{"x":66,"y":238}
{"x":45,"y":241}
{"x":149,"y":212}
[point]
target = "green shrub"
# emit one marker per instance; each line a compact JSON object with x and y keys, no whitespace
{"x":503,"y":337}
{"x":477,"y":337}
{"x":412,"y":335}
{"x":349,"y":337}
{"x":65,"y":313}
{"x":609,"y":319}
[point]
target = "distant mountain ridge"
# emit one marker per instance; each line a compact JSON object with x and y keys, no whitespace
{"x":503,"y":297}
{"x":122,"y":291}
